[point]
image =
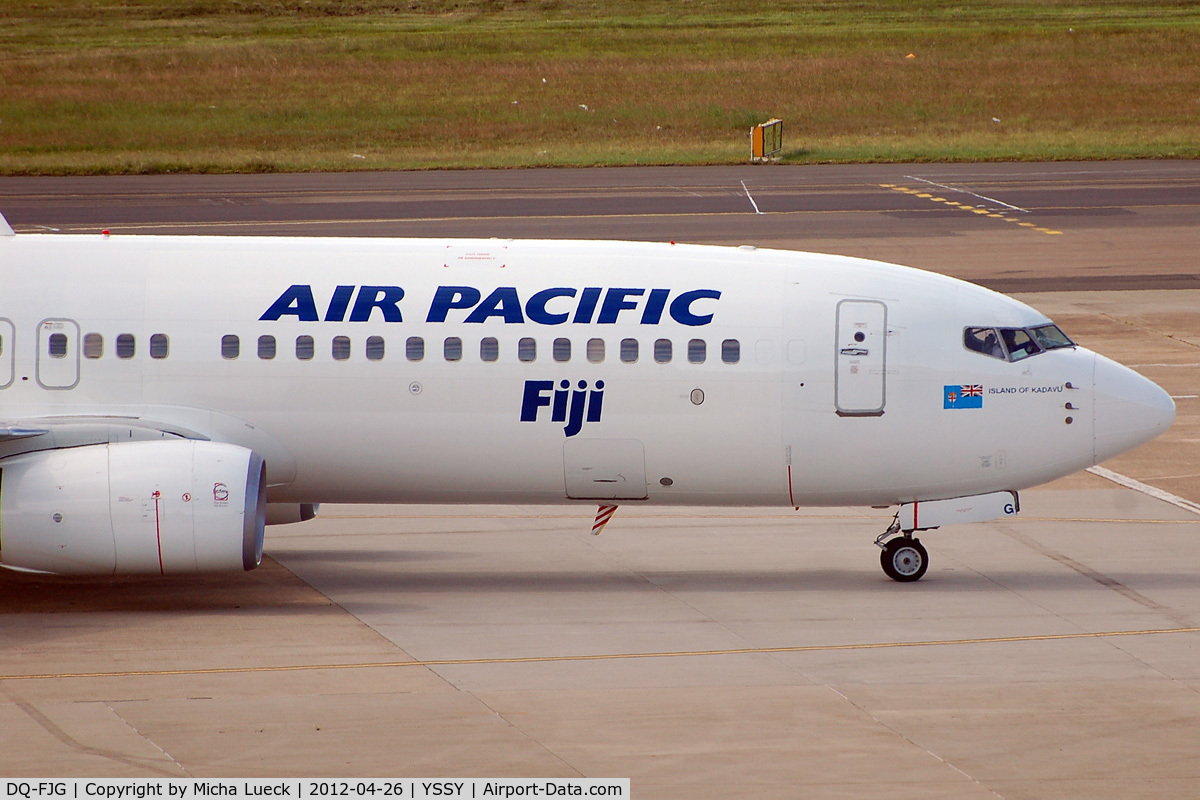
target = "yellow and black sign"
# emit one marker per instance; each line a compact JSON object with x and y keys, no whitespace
{"x":766,"y":140}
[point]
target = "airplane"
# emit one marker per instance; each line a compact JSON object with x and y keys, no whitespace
{"x":164,"y":398}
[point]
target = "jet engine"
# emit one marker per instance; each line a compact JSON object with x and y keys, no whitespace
{"x":135,"y":508}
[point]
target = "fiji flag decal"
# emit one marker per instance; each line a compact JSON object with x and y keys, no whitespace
{"x":964,"y":396}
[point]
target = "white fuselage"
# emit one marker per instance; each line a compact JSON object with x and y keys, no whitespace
{"x":823,"y":380}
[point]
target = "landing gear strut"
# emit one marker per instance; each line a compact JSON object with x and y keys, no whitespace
{"x":903,"y":558}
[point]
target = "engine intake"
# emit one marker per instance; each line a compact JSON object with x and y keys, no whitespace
{"x":135,"y":508}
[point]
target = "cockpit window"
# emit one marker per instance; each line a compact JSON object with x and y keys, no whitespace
{"x":983,"y":340}
{"x":1019,"y":343}
{"x":1014,"y":344}
{"x":1050,"y":337}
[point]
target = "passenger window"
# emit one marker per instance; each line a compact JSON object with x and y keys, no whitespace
{"x":126,"y":345}
{"x":375,"y":348}
{"x":160,"y":346}
{"x":341,"y":348}
{"x":983,"y":340}
{"x":93,"y":345}
{"x":662,"y":351}
{"x":731,"y":351}
{"x":697,"y":351}
{"x":489,"y":349}
{"x":231,"y":346}
{"x":414,"y":348}
{"x":305,"y":348}
{"x":1019,"y":343}
{"x":527,"y":349}
{"x":266,"y":346}
{"x":562,"y":349}
{"x":58,"y":345}
{"x":629,"y":351}
{"x":453,"y":349}
{"x":595,"y":351}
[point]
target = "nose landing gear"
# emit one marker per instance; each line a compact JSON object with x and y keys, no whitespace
{"x":903,"y":558}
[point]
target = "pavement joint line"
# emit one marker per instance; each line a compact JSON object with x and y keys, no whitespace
{"x":750,"y":198}
{"x":119,"y":227}
{"x":146,"y":226}
{"x":967,"y":191}
{"x":1145,"y":488}
{"x":463,"y":662}
{"x":990,"y":213}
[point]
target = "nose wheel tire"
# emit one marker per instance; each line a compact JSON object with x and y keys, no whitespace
{"x":904,"y":559}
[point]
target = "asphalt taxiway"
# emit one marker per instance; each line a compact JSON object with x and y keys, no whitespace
{"x":704,"y":652}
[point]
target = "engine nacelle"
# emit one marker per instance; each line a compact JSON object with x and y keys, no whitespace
{"x":290,"y":513}
{"x":153,"y":508}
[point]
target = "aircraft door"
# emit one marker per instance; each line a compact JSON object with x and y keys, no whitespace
{"x":7,"y":353}
{"x":58,"y":354}
{"x":861,"y":368}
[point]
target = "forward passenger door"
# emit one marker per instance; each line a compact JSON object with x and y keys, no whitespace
{"x":861,"y":359}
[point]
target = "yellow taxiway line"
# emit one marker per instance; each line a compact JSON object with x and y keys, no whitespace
{"x":461,"y":662}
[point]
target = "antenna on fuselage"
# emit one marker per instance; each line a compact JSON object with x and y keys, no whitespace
{"x":5,"y":228}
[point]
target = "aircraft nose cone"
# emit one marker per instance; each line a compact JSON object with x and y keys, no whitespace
{"x":1129,"y":409}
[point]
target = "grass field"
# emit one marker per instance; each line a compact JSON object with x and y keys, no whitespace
{"x":110,"y":86}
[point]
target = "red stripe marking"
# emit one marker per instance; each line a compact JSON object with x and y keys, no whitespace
{"x":603,"y":515}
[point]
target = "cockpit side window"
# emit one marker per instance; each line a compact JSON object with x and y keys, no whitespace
{"x":983,"y":340}
{"x":1050,"y":337}
{"x":1019,"y":343}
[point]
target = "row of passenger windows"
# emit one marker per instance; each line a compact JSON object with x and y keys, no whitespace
{"x":453,"y":349}
{"x":629,"y":350}
{"x":93,"y":345}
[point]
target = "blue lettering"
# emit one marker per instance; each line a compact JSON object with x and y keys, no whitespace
{"x":655,"y":304}
{"x":681,"y":307}
{"x":535,"y":309}
{"x":503,"y":303}
{"x":570,"y":407}
{"x":385,"y":298}
{"x":578,"y":401}
{"x":587,"y":304}
{"x":615,"y":303}
{"x":535,"y":397}
{"x":561,"y":395}
{"x":596,"y":402}
{"x":593,"y":305}
{"x":337,"y":304}
{"x":296,"y":301}
{"x":448,"y":297}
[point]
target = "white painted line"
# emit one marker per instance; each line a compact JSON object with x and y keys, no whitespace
{"x":747,"y":191}
{"x":1146,"y":489}
{"x":1185,"y":396}
{"x":967,"y":191}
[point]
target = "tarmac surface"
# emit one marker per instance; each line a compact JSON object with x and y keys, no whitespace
{"x":699,"y":652}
